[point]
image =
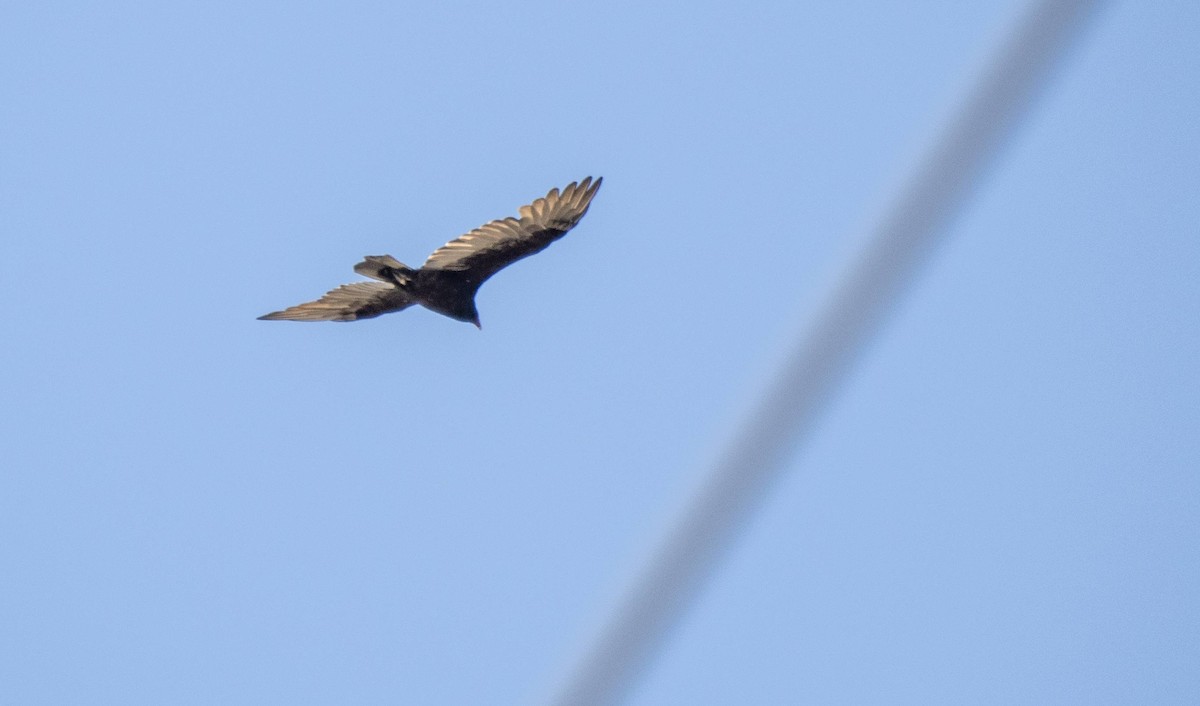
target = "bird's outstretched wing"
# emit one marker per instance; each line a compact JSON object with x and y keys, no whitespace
{"x":485,"y":250}
{"x":349,"y":302}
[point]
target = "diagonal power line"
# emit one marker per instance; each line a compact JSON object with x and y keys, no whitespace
{"x":740,"y":477}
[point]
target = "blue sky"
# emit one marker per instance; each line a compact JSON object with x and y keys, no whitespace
{"x":1002,"y":505}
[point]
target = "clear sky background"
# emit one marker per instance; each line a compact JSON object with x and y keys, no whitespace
{"x":1002,"y":506}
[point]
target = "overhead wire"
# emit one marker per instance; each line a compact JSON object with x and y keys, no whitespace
{"x":912,"y":224}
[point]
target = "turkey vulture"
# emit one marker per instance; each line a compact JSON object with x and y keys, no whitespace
{"x":448,"y":280}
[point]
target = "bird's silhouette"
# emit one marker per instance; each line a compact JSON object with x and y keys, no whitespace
{"x":449,"y":279}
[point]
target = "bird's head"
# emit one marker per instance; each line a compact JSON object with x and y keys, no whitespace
{"x":467,"y":313}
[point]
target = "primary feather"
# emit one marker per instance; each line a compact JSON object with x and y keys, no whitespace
{"x":349,"y":302}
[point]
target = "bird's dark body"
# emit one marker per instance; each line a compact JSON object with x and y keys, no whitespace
{"x":449,"y":279}
{"x":448,"y":292}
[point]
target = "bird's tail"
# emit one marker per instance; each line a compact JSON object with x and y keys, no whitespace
{"x":386,"y":268}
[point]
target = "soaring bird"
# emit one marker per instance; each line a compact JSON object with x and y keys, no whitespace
{"x":449,"y":279}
